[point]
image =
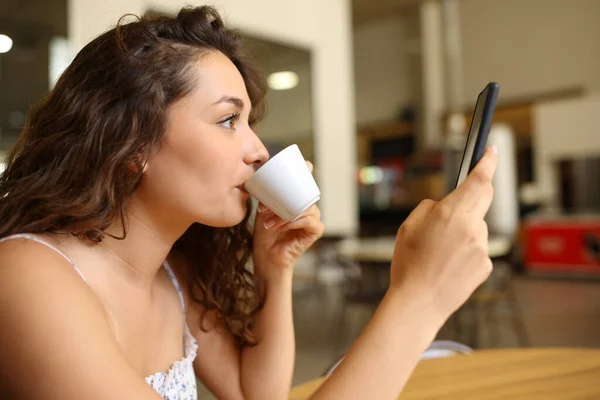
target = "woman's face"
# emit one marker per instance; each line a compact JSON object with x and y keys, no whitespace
{"x":208,"y":153}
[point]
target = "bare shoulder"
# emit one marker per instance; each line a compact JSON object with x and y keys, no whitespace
{"x":24,"y":256}
{"x":55,"y":339}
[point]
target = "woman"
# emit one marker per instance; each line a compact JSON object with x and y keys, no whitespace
{"x":125,"y":236}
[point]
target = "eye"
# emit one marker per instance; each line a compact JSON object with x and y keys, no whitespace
{"x":229,"y":122}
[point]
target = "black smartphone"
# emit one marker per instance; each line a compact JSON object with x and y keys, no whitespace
{"x":479,"y":130}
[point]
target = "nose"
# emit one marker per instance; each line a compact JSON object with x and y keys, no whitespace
{"x":258,"y":153}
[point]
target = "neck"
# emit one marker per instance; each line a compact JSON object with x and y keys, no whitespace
{"x":150,"y":237}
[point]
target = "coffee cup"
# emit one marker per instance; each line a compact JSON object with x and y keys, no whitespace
{"x":285,"y":185}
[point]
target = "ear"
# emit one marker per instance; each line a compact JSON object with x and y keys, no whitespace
{"x":134,"y":166}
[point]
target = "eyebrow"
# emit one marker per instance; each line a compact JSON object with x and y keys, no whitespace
{"x":236,"y":101}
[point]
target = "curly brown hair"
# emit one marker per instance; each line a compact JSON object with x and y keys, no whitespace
{"x":70,"y":171}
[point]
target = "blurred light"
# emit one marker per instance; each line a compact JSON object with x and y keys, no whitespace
{"x":5,"y":43}
{"x":370,"y":175}
{"x":16,"y":119}
{"x":283,"y":80}
{"x":457,"y":124}
{"x":2,"y":167}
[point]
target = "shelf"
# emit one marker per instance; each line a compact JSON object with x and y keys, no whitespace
{"x":387,"y":130}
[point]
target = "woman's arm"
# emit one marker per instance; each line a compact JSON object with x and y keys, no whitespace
{"x":263,"y":371}
{"x":267,"y":368}
{"x":440,"y":258}
{"x":382,"y":359}
{"x":55,"y":340}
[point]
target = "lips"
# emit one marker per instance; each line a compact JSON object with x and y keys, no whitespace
{"x":241,"y":185}
{"x":246,"y":178}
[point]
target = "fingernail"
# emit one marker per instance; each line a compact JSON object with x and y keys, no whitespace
{"x":270,"y":223}
{"x":494,"y":148}
{"x":262,"y":208}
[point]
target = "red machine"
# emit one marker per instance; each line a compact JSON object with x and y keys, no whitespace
{"x":563,"y":244}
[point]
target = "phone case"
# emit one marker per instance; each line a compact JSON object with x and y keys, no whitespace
{"x":487,"y":100}
{"x":490,"y":96}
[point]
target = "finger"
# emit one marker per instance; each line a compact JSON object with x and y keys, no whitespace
{"x":469,"y":192}
{"x":416,"y":217}
{"x":421,"y":211}
{"x":308,"y":223}
{"x":262,"y":208}
{"x":273,"y":222}
{"x":313,"y":210}
{"x":484,"y":233}
{"x":264,"y":215}
{"x":310,"y":166}
{"x":276,"y":222}
{"x":483,"y":202}
{"x":484,"y":237}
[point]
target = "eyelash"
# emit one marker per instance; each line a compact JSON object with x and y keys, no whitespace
{"x":233,"y":119}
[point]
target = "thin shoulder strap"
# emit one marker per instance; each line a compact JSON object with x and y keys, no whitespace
{"x":175,"y":283}
{"x":40,"y":241}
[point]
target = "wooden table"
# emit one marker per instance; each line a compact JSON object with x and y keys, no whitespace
{"x":531,"y":374}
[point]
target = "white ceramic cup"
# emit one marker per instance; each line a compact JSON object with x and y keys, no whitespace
{"x":284,"y":184}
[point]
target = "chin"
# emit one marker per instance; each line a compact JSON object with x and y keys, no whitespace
{"x":231,"y":222}
{"x":239,"y":214}
{"x":229,"y":217}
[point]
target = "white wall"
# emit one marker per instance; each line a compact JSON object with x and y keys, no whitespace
{"x":563,"y":130}
{"x":386,"y":78}
{"x":538,"y":46}
{"x":530,"y":46}
{"x":386,"y":69}
{"x":322,"y":26}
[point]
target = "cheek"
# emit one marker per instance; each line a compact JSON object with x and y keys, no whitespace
{"x":194,"y":183}
{"x":203,"y":168}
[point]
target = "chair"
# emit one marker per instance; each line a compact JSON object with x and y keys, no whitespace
{"x":488,"y":303}
{"x":365,"y":284}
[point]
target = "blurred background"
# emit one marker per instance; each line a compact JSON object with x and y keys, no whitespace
{"x":379,"y":94}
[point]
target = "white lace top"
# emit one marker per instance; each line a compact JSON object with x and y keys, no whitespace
{"x":179,"y":382}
